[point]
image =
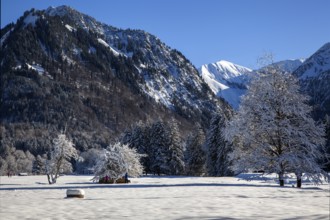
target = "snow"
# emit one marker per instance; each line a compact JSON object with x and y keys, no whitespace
{"x":91,"y":50}
{"x":30,"y":197}
{"x":31,"y":19}
{"x":160,"y":90}
{"x":60,"y":10}
{"x":227,"y":69}
{"x":317,"y":64}
{"x":226,"y":80}
{"x":37,"y":68}
{"x":233,"y":96}
{"x":4,"y":37}
{"x":69,"y":28}
{"x":114,"y":51}
{"x":289,"y":65}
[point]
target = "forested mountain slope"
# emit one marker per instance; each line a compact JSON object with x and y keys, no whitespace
{"x":63,"y":71}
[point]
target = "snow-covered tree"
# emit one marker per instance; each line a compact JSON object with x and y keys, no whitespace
{"x":132,"y":159}
{"x":176,"y":162}
{"x":159,"y":144}
{"x":217,"y":157}
{"x":38,"y":165}
{"x":116,"y":161}
{"x":3,"y":167}
{"x":273,"y":130}
{"x":138,"y":137}
{"x":195,"y":154}
{"x":61,"y":154}
{"x":87,"y":160}
{"x":23,"y":161}
{"x":11,"y":164}
{"x":327,"y":136}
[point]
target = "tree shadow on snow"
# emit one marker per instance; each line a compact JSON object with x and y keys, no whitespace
{"x":132,"y":185}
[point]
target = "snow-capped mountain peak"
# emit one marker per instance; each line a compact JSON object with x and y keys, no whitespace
{"x":287,"y":65}
{"x":225,"y":70}
{"x":60,"y":10}
{"x":318,"y":63}
{"x":226,"y":80}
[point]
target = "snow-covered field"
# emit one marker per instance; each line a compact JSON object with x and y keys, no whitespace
{"x":30,"y":197}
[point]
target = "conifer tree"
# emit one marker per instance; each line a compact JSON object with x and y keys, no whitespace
{"x":38,"y":165}
{"x":218,"y":161}
{"x":195,"y":154}
{"x":212,"y":145}
{"x":176,"y":157}
{"x":159,"y":144}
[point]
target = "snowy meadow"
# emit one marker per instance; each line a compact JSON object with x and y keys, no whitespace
{"x":151,"y":197}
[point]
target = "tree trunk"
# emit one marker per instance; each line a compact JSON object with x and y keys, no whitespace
{"x":48,"y":177}
{"x":298,"y":180}
{"x":281,"y":179}
{"x":299,"y":183}
{"x":51,"y":179}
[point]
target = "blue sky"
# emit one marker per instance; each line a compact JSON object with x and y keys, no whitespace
{"x":206,"y":31}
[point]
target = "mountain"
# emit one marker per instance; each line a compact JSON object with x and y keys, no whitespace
{"x":287,"y":65}
{"x":230,"y":81}
{"x":226,"y":80}
{"x":63,"y":71}
{"x":314,"y":76}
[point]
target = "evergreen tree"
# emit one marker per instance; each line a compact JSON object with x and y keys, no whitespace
{"x":38,"y":165}
{"x":195,"y":154}
{"x":3,"y":167}
{"x":218,"y":161}
{"x":327,"y":137}
{"x":159,"y":144}
{"x":176,"y":163}
{"x":87,"y":160}
{"x":138,"y":138}
{"x":213,"y":142}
